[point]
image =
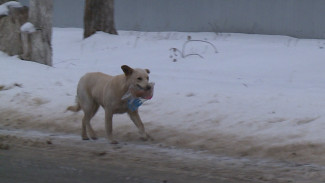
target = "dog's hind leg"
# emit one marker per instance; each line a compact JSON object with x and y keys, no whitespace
{"x":89,"y":108}
{"x":90,"y":113}
{"x":85,"y":120}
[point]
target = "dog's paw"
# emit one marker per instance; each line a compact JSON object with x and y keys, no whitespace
{"x":150,"y":138}
{"x":146,"y":138}
{"x":85,"y":138}
{"x":94,"y":138}
{"x":113,"y":142}
{"x":143,"y":138}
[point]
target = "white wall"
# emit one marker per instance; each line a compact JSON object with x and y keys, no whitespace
{"x":298,"y":18}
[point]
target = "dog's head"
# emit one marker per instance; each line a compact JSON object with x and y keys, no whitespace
{"x":137,"y":77}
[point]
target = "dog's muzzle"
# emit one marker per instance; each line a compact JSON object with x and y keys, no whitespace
{"x":148,"y":87}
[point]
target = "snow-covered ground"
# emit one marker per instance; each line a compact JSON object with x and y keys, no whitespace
{"x":257,"y":93}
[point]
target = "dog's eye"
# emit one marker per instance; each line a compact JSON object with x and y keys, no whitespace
{"x":139,"y":78}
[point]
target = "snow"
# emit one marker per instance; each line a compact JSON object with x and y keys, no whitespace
{"x":28,"y":27}
{"x":266,"y":89}
{"x":4,"y":8}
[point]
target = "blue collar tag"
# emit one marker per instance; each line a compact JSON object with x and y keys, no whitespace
{"x":134,"y":103}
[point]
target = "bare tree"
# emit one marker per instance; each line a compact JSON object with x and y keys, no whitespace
{"x":37,"y":43}
{"x":99,"y":16}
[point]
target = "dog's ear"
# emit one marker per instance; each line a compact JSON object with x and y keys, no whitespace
{"x":148,"y":71}
{"x":127,"y":70}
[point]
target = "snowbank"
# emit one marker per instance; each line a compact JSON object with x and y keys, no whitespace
{"x":256,"y":92}
{"x":27,"y":27}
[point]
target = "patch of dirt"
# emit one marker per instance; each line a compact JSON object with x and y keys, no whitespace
{"x":8,"y":87}
{"x":25,"y":98}
{"x":209,"y":141}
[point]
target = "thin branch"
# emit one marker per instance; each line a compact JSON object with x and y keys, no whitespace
{"x":207,"y":42}
{"x":182,"y":53}
{"x":193,"y":54}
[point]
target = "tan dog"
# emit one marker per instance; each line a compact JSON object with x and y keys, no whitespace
{"x":98,"y":89}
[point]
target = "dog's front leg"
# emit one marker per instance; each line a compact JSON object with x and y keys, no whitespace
{"x":134,"y":115}
{"x":109,"y":126}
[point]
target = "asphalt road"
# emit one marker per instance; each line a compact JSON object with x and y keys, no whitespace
{"x":32,"y":166}
{"x":25,"y":158}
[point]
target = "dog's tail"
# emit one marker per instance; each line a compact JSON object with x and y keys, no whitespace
{"x":74,"y":108}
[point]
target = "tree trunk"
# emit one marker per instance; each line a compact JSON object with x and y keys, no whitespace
{"x":99,"y":16}
{"x":37,"y":44}
{"x":10,"y":39}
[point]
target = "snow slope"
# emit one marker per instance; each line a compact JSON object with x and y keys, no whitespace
{"x":258,"y":91}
